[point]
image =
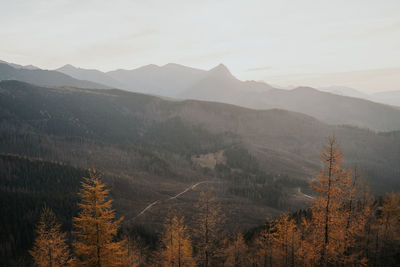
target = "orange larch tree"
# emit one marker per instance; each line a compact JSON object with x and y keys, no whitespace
{"x":236,"y":252}
{"x":177,"y":245}
{"x":96,"y":227}
{"x":286,"y":240}
{"x":328,"y":216}
{"x":264,"y":246}
{"x":387,"y":236}
{"x":50,"y":248}
{"x":208,"y":226}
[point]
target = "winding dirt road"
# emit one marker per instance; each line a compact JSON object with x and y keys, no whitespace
{"x":192,"y":187}
{"x":305,"y":195}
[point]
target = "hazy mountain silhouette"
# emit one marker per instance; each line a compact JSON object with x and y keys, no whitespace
{"x":345,"y":91}
{"x":369,"y":80}
{"x":43,"y":77}
{"x":329,"y":108}
{"x":341,"y":105}
{"x":218,"y":84}
{"x":388,"y":97}
{"x":90,"y":75}
{"x":168,"y":80}
{"x":27,"y":67}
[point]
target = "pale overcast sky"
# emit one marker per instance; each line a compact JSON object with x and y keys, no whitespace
{"x":255,"y":39}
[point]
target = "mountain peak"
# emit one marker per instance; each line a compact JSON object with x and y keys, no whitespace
{"x":221,"y":69}
{"x":148,"y":67}
{"x":16,"y":66}
{"x":171,"y":65}
{"x":67,"y":67}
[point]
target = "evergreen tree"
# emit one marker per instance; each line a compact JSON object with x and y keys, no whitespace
{"x":388,"y":230}
{"x":208,"y":225}
{"x":236,"y":252}
{"x":286,"y":240}
{"x":327,"y":210}
{"x":137,"y":251}
{"x":96,"y":227}
{"x":177,"y":245}
{"x":50,"y":248}
{"x":355,"y":218}
{"x":264,"y":245}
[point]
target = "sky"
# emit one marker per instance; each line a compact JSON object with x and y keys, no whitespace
{"x":277,"y":41}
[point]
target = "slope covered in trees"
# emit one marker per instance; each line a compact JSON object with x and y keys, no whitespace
{"x":145,"y":146}
{"x":344,"y":226}
{"x":34,"y":119}
{"x":26,"y":187}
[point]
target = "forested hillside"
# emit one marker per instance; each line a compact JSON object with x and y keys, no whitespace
{"x":128,"y":123}
{"x":343,"y":225}
{"x":26,"y":186}
{"x":150,"y":150}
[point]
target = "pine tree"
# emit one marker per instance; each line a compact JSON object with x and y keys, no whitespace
{"x":308,"y":254}
{"x":207,"y":228}
{"x":236,"y":252}
{"x":286,"y":240}
{"x":177,"y":245}
{"x":264,"y":245}
{"x":368,"y":205}
{"x":137,"y":251}
{"x":50,"y":248}
{"x":96,"y":227}
{"x":388,"y":230}
{"x":328,"y":217}
{"x":355,"y":214}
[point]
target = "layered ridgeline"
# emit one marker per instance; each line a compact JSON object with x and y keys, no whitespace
{"x":389,"y":97}
{"x":332,"y":106}
{"x":284,"y":142}
{"x":151,"y":150}
{"x":34,"y":75}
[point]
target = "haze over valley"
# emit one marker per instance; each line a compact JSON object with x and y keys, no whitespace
{"x":274,"y":140}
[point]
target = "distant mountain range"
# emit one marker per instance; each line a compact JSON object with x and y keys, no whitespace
{"x":386,"y":97}
{"x":345,"y":91}
{"x":334,"y":105}
{"x":368,"y":80}
{"x":27,"y":67}
{"x":44,"y":77}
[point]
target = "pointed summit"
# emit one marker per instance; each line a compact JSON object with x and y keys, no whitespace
{"x":221,"y":69}
{"x":66,"y":67}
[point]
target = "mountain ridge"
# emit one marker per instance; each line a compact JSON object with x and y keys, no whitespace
{"x":219,"y":85}
{"x":282,"y":139}
{"x":44,"y":77}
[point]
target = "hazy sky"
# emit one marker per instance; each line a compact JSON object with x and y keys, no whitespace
{"x":255,"y":39}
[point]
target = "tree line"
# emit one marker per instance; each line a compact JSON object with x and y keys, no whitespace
{"x":345,"y":225}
